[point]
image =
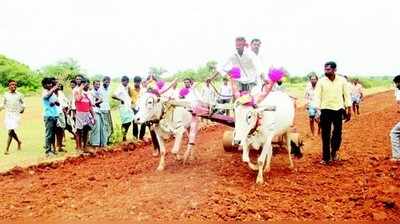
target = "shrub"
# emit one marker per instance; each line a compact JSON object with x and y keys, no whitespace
{"x":117,"y":135}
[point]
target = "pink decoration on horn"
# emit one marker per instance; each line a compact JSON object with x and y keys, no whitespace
{"x":184,"y":92}
{"x":160,"y":84}
{"x":276,"y":74}
{"x":234,"y":73}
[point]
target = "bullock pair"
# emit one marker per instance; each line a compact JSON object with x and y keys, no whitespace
{"x":256,"y":125}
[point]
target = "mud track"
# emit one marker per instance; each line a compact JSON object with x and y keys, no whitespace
{"x":218,"y":186}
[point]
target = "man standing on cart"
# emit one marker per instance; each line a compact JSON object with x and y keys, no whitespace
{"x":245,"y":60}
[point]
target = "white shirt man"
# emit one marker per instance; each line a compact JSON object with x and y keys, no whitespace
{"x":105,"y":96}
{"x":122,"y":92}
{"x":309,"y":94}
{"x":172,"y":94}
{"x":94,"y":95}
{"x":245,"y":61}
{"x":208,"y":95}
{"x":226,"y":92}
{"x":258,"y":61}
{"x":62,"y":99}
{"x":247,"y":64}
{"x":192,"y":96}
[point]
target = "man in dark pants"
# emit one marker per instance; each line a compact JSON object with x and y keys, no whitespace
{"x":332,"y":98}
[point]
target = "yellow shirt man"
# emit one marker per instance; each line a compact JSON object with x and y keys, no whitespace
{"x":332,"y":95}
{"x":134,"y":94}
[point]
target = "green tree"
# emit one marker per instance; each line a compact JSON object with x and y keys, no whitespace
{"x":199,"y":74}
{"x":25,"y":77}
{"x":64,"y":70}
{"x":212,"y":65}
{"x":157,"y":71}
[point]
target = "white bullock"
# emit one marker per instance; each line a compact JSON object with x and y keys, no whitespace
{"x":151,"y":109}
{"x":257,"y":126}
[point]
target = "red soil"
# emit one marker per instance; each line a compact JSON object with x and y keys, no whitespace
{"x":218,"y":186}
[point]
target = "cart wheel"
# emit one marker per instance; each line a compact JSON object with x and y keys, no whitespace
{"x":227,"y":140}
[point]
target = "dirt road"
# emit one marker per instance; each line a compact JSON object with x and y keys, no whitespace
{"x":218,"y":186}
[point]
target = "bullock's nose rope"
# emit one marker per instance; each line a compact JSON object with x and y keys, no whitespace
{"x":256,"y":125}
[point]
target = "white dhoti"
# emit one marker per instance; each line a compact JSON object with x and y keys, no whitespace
{"x":11,"y":120}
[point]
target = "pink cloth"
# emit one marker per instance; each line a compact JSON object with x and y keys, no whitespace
{"x":200,"y":110}
{"x":84,"y":104}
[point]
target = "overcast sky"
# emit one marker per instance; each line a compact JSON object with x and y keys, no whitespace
{"x":126,"y":37}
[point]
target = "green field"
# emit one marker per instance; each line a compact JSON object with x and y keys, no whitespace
{"x":31,"y":132}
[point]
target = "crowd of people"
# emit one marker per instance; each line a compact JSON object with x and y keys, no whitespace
{"x":86,"y":112}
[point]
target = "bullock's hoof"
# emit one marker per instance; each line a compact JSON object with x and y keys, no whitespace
{"x":192,"y":157}
{"x":259,"y":181}
{"x":186,"y":157}
{"x":185,"y":160}
{"x":253,"y":166}
{"x":160,"y":168}
{"x":177,"y":157}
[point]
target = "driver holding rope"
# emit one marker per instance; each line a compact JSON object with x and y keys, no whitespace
{"x":246,"y":61}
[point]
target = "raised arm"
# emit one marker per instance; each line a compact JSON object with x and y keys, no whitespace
{"x":221,"y":71}
{"x":50,"y":92}
{"x":78,"y":94}
{"x":169,"y":86}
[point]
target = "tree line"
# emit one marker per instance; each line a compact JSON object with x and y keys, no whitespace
{"x":65,"y":70}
